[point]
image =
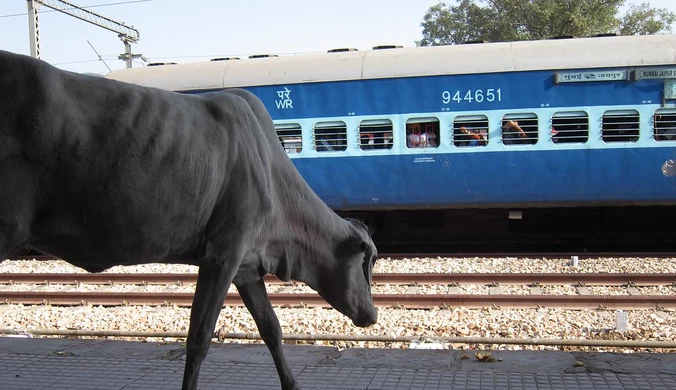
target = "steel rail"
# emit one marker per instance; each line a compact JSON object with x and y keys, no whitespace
{"x":459,"y":255}
{"x":367,"y":338}
{"x":528,"y":255}
{"x":407,"y":301}
{"x":600,"y":279}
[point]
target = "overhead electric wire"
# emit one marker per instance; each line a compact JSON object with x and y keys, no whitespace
{"x":86,"y":7}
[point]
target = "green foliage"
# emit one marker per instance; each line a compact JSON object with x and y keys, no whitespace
{"x":645,"y":20}
{"x":518,"y":20}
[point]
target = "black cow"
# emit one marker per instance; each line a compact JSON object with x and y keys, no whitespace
{"x":103,"y":173}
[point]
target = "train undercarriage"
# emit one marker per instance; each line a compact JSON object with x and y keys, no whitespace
{"x":524,"y":230}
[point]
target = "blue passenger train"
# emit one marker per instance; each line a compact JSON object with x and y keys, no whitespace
{"x":517,"y":140}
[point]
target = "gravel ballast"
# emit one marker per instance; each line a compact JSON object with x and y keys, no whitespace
{"x":547,"y":323}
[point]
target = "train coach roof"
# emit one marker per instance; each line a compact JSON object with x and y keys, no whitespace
{"x":600,"y":52}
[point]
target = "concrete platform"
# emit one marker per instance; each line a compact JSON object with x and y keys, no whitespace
{"x":100,"y":364}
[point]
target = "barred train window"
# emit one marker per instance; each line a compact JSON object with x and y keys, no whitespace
{"x":620,"y":126}
{"x":330,"y":136}
{"x":664,"y":125}
{"x":520,"y":129}
{"x":375,"y":134}
{"x":289,"y":135}
{"x":422,"y":133}
{"x":470,"y":130}
{"x":570,"y":127}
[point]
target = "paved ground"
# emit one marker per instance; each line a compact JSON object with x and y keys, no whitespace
{"x":94,"y":364}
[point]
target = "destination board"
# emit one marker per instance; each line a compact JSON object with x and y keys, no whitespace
{"x":576,"y":77}
{"x":656,"y":73}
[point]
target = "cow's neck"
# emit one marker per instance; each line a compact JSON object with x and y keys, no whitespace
{"x":305,"y":236}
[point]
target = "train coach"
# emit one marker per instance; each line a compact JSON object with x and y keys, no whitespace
{"x":560,"y":141}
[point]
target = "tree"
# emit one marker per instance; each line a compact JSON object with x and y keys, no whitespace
{"x":645,"y":20}
{"x":518,"y":20}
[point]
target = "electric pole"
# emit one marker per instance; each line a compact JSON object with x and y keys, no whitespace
{"x":127,"y":34}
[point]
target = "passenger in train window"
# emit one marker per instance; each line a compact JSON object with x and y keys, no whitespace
{"x":430,"y":139}
{"x":412,"y":140}
{"x":483,"y":133}
{"x":555,"y":135}
{"x":467,"y":137}
{"x":569,"y":133}
{"x":387,"y":144}
{"x":378,"y":140}
{"x":512,"y":133}
{"x":365,"y":141}
{"x":415,"y":138}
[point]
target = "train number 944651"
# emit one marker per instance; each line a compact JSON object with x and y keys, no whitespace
{"x":472,"y":96}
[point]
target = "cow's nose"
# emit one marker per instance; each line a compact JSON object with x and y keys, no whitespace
{"x":367,"y":319}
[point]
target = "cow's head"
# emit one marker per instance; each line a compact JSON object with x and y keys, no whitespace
{"x":345,"y":281}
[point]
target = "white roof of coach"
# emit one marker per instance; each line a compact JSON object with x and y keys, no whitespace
{"x":600,"y":52}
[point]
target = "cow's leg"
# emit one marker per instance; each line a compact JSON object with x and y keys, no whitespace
{"x":11,"y":238}
{"x":17,"y":205}
{"x":213,"y":281}
{"x":6,"y":246}
{"x":256,"y":299}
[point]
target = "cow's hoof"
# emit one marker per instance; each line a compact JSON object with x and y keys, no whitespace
{"x":291,"y":386}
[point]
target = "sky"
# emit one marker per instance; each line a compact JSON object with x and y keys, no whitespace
{"x":189,"y":31}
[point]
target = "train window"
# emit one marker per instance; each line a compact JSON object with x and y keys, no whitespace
{"x":664,"y":125}
{"x":570,"y":127}
{"x":620,"y":126}
{"x":375,"y":134}
{"x":330,"y":136}
{"x":289,"y":135}
{"x":422,"y":133}
{"x":470,"y":130}
{"x":520,"y":129}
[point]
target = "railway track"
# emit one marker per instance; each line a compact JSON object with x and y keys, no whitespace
{"x":407,"y":301}
{"x":595,"y":279}
{"x":584,"y":300}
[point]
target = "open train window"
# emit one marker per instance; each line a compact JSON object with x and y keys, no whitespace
{"x":422,"y":133}
{"x":375,"y":134}
{"x":620,"y":126}
{"x":330,"y":136}
{"x":570,"y":127}
{"x":289,"y":135}
{"x":470,"y":130}
{"x":664,"y":125}
{"x":520,"y":129}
